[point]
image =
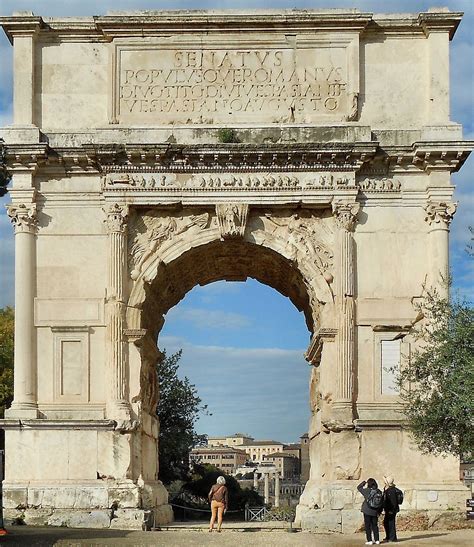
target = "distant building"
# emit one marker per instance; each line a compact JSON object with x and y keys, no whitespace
{"x":304,"y":459}
{"x":287,"y":465}
{"x":238,"y":439}
{"x":258,"y":449}
{"x":225,"y":458}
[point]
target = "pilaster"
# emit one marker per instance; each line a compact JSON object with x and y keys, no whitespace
{"x":24,"y":37}
{"x":345,"y":214}
{"x":118,"y":405}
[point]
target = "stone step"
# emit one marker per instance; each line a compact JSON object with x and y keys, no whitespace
{"x":271,"y":526}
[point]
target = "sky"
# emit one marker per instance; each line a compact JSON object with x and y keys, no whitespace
{"x":243,"y":343}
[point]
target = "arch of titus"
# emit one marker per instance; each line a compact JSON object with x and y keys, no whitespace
{"x":152,"y":152}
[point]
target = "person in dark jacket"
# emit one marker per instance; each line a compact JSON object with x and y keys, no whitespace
{"x":370,"y":515}
{"x":391,"y":508}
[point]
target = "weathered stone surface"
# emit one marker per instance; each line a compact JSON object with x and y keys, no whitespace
{"x":164,"y":515}
{"x":352,"y":521}
{"x":15,"y":497}
{"x":81,"y":519}
{"x":346,"y":455}
{"x":37,"y":516}
{"x":132,"y":519}
{"x":341,"y":499}
{"x":322,"y":520}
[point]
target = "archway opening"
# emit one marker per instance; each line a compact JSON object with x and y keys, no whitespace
{"x":179,"y":272}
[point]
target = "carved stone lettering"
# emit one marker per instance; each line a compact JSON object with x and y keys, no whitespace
{"x":202,"y":85}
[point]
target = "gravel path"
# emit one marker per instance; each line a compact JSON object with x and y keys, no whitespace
{"x":42,"y":537}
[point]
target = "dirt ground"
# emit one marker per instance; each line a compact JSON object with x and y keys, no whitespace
{"x":26,"y":535}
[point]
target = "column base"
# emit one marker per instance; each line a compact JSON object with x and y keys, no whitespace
{"x":336,"y":507}
{"x":117,"y":504}
{"x":339,"y":416}
{"x":22,"y":411}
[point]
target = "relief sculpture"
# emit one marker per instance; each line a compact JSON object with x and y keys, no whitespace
{"x":232,"y":218}
{"x":303,"y":236}
{"x":233,"y":181}
{"x":150,"y":231}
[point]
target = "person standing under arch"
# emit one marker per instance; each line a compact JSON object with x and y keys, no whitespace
{"x":218,"y":498}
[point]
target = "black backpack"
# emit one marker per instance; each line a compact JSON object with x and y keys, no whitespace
{"x":375,"y":499}
{"x":399,"y":496}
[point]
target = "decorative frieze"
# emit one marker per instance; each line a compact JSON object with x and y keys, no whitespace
{"x":379,"y":185}
{"x":23,"y":217}
{"x":232,"y":219}
{"x":440,"y":212}
{"x":227,"y":181}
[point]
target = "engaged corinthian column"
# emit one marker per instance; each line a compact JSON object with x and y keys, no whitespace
{"x":345,"y":215}
{"x":118,"y":406}
{"x":439,"y":216}
{"x":24,"y":220}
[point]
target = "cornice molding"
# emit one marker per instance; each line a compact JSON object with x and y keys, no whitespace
{"x":365,"y":158}
{"x":153,"y":23}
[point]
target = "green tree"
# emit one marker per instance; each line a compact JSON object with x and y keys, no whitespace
{"x":6,"y":358}
{"x":4,"y":175}
{"x":204,"y":476}
{"x":437,"y":382}
{"x":178,"y":409}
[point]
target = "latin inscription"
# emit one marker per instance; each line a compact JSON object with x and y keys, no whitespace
{"x":240,"y":85}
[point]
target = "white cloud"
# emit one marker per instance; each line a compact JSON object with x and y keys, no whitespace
{"x":263,"y":391}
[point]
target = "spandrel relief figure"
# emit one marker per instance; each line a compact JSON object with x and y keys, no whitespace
{"x":150,"y":232}
{"x":303,"y":238}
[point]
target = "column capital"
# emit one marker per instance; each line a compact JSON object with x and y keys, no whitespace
{"x":440,"y":212}
{"x":345,"y":214}
{"x":116,"y":217}
{"x":23,"y":217}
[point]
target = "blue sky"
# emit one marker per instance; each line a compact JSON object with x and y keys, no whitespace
{"x":243,"y":343}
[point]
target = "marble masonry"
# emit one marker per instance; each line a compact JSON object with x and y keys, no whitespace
{"x":155,"y":151}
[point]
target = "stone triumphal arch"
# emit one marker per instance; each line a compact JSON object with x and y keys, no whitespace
{"x":152,"y":152}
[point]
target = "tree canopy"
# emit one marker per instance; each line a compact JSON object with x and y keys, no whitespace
{"x":437,"y":382}
{"x":4,"y":174}
{"x":178,"y":409}
{"x":6,"y":358}
{"x":205,"y":475}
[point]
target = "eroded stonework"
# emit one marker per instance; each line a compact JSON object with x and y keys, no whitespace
{"x":153,"y":152}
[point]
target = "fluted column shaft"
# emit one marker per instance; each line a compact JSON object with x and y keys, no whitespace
{"x":117,"y":404}
{"x":24,"y":220}
{"x":345,"y":215}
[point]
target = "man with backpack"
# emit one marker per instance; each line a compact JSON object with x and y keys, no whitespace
{"x":392,"y":499}
{"x":371,"y":508}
